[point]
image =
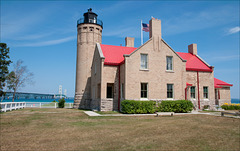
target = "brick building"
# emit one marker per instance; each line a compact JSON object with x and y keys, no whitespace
{"x":108,"y":74}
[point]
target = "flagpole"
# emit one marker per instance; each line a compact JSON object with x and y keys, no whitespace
{"x":141,"y":34}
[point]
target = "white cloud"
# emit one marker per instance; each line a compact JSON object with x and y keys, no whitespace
{"x":225,"y":58}
{"x":233,"y":30}
{"x":191,"y":21}
{"x":121,"y":32}
{"x":47,"y":43}
{"x":33,"y":36}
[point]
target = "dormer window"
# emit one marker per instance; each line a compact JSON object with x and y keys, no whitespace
{"x":169,"y":63}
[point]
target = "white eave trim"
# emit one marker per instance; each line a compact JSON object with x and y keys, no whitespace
{"x":100,"y":51}
{"x":174,"y":51}
{"x":126,"y":55}
{"x":203,"y":61}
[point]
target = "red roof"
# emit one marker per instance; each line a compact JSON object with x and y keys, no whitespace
{"x":194,"y":63}
{"x":114,"y":54}
{"x":218,"y":83}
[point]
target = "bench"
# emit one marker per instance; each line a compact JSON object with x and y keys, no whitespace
{"x":165,"y":113}
{"x":236,"y":113}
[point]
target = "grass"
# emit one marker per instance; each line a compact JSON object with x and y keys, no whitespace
{"x":71,"y":129}
{"x":108,"y":112}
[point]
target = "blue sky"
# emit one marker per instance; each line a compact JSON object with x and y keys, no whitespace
{"x":43,"y":34}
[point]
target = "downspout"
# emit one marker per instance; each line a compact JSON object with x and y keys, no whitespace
{"x":198,"y":91}
{"x":119,"y":88}
{"x":186,"y":93}
{"x":218,"y":95}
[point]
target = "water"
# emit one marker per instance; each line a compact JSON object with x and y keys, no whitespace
{"x":70,"y":100}
{"x":236,"y":101}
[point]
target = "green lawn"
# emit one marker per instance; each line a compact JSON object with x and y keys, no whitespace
{"x":71,"y":129}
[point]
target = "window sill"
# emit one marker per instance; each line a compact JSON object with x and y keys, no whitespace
{"x":144,"y":69}
{"x":144,"y":99}
{"x":109,"y":99}
{"x":205,"y":99}
{"x":170,"y":71}
{"x":170,"y":99}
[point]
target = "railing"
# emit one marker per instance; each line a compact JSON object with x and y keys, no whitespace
{"x":9,"y":106}
{"x":46,"y":105}
{"x":91,"y":21}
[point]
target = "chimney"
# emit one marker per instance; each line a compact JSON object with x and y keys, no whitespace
{"x":192,"y":49}
{"x":155,"y":28}
{"x":129,"y":42}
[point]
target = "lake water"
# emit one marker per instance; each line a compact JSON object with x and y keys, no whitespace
{"x":236,"y":101}
{"x":71,"y":100}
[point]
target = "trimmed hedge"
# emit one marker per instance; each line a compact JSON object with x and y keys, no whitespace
{"x":178,"y":106}
{"x":138,"y":107}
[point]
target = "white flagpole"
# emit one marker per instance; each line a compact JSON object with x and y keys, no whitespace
{"x":141,"y":34}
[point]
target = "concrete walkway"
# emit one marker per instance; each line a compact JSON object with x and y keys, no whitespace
{"x":91,"y":113}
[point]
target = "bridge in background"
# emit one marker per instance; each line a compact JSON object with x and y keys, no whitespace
{"x":22,"y":95}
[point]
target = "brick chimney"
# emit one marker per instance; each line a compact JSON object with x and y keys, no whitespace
{"x":155,"y":28}
{"x":192,"y":49}
{"x":129,"y":42}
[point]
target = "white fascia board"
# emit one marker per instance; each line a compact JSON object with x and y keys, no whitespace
{"x":203,"y":61}
{"x":174,"y":51}
{"x":100,"y":51}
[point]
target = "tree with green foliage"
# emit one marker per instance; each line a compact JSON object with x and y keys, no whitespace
{"x":4,"y":63}
{"x":18,"y":78}
{"x":61,"y":103}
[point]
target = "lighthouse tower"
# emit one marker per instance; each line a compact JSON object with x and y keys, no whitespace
{"x":89,"y":32}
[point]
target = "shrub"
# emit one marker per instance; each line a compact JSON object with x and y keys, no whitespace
{"x":229,"y":106}
{"x":179,"y":106}
{"x":138,"y":107}
{"x":205,"y":107}
{"x":61,"y":103}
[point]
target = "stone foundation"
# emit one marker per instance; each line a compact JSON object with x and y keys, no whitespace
{"x":106,"y":105}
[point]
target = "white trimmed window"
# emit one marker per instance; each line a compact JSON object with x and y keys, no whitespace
{"x":170,"y":91}
{"x":144,"y":61}
{"x":169,"y":63}
{"x":193,"y":94}
{"x":205,"y":92}
{"x":144,"y":90}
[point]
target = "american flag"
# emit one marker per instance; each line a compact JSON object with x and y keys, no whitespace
{"x":145,"y":27}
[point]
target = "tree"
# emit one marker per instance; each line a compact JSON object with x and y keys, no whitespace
{"x":4,"y":63}
{"x":19,"y":77}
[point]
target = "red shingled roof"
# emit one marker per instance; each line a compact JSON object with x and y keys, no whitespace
{"x":114,"y":54}
{"x":218,"y":83}
{"x":194,"y":63}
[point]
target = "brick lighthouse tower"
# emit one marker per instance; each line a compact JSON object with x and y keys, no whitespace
{"x":89,"y":32}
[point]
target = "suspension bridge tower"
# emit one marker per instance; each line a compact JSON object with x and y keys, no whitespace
{"x":89,"y":32}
